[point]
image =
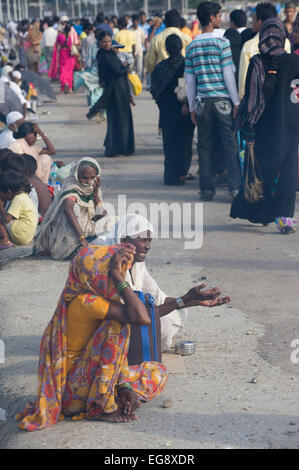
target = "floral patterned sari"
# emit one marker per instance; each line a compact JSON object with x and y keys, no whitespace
{"x":89,"y":389}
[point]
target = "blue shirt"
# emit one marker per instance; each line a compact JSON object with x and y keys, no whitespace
{"x":159,"y":30}
{"x":78,"y":29}
{"x":146,"y":27}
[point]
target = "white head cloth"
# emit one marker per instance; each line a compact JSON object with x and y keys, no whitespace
{"x":5,"y":72}
{"x":17,"y":74}
{"x":130,"y":225}
{"x":12,"y":117}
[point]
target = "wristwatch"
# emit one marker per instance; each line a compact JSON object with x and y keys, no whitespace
{"x":180,"y":302}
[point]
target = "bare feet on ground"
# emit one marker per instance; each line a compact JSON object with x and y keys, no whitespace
{"x":118,"y":416}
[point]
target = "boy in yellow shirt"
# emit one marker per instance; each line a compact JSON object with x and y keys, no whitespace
{"x":126,"y":37}
{"x":18,"y":224}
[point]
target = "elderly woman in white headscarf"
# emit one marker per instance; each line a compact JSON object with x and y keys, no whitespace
{"x":70,"y":221}
{"x":136,"y":230}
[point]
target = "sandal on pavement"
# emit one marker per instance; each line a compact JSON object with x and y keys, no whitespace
{"x":3,"y":247}
{"x":286,"y":225}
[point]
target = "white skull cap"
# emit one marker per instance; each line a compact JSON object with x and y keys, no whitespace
{"x":12,"y":117}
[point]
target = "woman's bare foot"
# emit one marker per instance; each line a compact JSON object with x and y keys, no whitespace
{"x":118,"y":416}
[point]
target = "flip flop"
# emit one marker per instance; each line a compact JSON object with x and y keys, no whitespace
{"x":3,"y":247}
{"x":288,"y":230}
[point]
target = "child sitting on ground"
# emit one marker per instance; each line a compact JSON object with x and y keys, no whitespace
{"x":26,"y":165}
{"x":18,"y":224}
{"x":42,"y":189}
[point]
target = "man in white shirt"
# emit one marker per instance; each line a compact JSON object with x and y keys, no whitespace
{"x":139,"y":46}
{"x":13,"y":121}
{"x":48,"y":41}
{"x":213,"y":100}
{"x":13,"y":32}
{"x":15,"y":85}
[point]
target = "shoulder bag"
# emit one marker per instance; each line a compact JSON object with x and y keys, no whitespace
{"x":253,"y":187}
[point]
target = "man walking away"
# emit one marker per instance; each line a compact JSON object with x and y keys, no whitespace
{"x":48,"y":41}
{"x":157,"y":51}
{"x":211,"y":88}
{"x":140,"y":39}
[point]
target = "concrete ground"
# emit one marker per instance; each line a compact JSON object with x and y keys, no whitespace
{"x":240,"y":389}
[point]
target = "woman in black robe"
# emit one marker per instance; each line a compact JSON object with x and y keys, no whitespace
{"x":176,"y":124}
{"x":269,"y":117}
{"x":116,"y":100}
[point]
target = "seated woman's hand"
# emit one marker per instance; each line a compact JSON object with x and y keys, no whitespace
{"x":206,"y":298}
{"x":124,"y":256}
{"x":99,"y":216}
{"x":128,"y":401}
{"x":37,"y":129}
{"x":96,"y":185}
{"x":212,"y":303}
{"x":84,"y":243}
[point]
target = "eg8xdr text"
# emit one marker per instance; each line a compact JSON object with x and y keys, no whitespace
{"x":178,"y":459}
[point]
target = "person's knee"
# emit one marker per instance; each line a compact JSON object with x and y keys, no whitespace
{"x":46,"y":161}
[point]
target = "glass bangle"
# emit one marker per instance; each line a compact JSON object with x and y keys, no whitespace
{"x":121,"y":286}
{"x":123,"y":386}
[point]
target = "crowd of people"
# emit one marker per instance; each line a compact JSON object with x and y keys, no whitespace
{"x":238,"y":86}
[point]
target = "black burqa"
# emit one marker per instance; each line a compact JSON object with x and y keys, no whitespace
{"x":276,"y":149}
{"x":177,"y":129}
{"x":116,"y":100}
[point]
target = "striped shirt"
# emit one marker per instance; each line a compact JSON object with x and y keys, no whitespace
{"x":206,"y":57}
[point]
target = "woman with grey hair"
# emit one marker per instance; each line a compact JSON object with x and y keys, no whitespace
{"x":70,"y":221}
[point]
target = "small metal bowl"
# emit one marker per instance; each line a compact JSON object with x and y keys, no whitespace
{"x":185,"y":348}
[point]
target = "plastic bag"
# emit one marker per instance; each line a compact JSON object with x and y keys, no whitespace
{"x":63,"y":172}
{"x":181,"y":90}
{"x":135,"y":82}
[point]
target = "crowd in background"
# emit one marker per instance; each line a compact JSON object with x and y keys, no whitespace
{"x":199,"y":74}
{"x":238,"y":86}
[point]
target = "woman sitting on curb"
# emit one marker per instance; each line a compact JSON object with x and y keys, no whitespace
{"x":70,"y":221}
{"x":25,"y":143}
{"x":138,"y":231}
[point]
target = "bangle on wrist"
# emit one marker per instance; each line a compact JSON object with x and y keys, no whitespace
{"x":121,"y":286}
{"x":124,"y":386}
{"x":82,"y":237}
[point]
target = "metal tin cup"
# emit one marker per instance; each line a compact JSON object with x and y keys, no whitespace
{"x":185,"y":348}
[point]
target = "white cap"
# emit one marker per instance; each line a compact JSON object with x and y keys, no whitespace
{"x":12,"y":117}
{"x":17,"y":74}
{"x":7,"y":69}
{"x":64,"y":18}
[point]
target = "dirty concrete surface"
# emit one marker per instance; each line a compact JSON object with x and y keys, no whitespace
{"x":240,"y":388}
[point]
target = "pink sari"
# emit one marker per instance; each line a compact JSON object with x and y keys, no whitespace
{"x":62,"y":56}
